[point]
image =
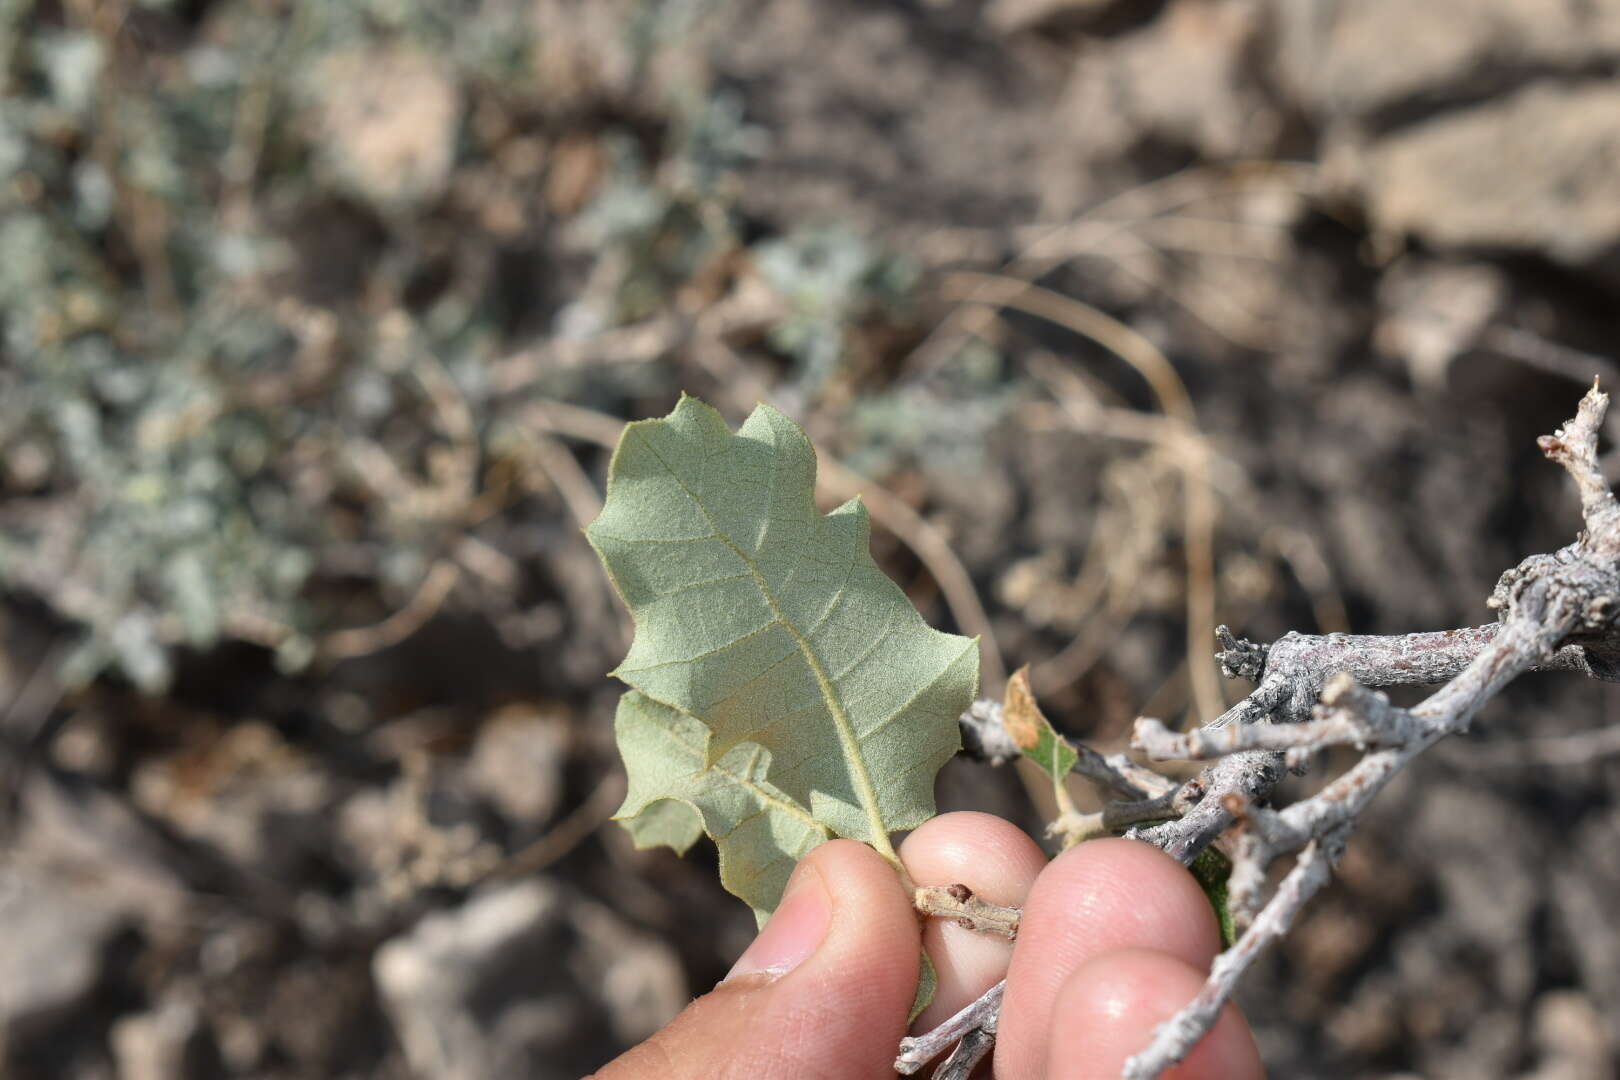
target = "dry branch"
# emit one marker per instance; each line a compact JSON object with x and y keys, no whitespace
{"x":1557,"y":612}
{"x":977,"y":1016}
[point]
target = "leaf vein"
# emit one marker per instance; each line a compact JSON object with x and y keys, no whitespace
{"x":866,"y":789}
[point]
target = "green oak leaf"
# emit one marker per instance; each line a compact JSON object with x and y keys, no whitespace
{"x":768,"y":626}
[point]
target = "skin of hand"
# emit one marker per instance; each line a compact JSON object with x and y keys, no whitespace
{"x":1115,"y":937}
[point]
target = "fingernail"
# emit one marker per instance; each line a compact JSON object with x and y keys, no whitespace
{"x":795,"y":929}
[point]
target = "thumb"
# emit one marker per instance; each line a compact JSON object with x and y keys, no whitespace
{"x":823,"y":991}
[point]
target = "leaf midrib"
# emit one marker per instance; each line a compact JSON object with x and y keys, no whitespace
{"x":865,"y":790}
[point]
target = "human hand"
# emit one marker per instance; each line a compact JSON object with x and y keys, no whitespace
{"x":1115,"y":937}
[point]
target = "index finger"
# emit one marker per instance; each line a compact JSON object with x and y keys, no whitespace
{"x":1102,"y":897}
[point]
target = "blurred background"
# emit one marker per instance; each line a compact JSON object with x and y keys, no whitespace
{"x":1127,"y":317}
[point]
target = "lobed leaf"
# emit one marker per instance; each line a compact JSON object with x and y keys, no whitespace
{"x":674,"y":796}
{"x":764,"y":627}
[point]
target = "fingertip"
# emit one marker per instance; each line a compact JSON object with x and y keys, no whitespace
{"x":838,"y":1012}
{"x":1113,"y":894}
{"x":843,"y":1011}
{"x":874,"y":942}
{"x":999,"y":862}
{"x":1097,"y":898}
{"x":999,"y":857}
{"x":1107,"y":1011}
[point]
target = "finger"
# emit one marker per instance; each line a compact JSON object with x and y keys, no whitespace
{"x":1099,"y":897}
{"x":823,"y":992}
{"x":999,"y":862}
{"x":1108,"y":1009}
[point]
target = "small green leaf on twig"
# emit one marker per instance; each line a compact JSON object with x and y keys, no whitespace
{"x":1032,"y":731}
{"x":1035,"y":737}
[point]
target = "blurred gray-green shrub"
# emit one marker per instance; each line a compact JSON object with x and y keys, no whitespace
{"x":259,"y":257}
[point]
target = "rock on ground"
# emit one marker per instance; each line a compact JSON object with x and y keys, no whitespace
{"x":501,"y":985}
{"x":164,"y":1044}
{"x":1466,"y":179}
{"x":1339,"y":58}
{"x":51,"y":961}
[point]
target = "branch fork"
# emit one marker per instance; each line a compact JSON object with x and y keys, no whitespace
{"x":1556,"y":611}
